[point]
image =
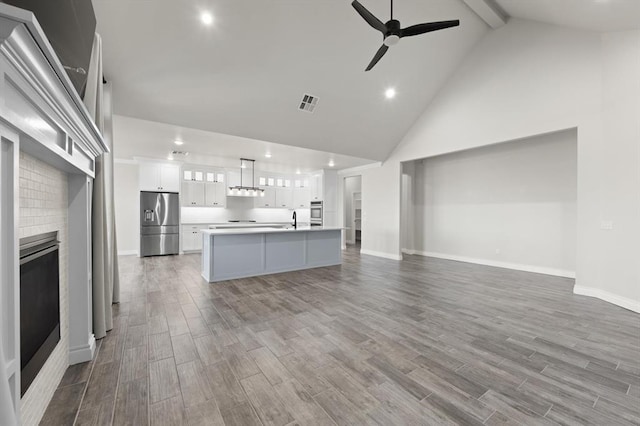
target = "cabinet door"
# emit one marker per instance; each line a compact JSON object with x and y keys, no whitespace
{"x":269,"y":199}
{"x":215,"y":195}
{"x":169,"y":178}
{"x":284,"y":198}
{"x":301,"y":198}
{"x":233,"y":178}
{"x":221,"y":194}
{"x":149,"y":177}
{"x":192,"y":194}
{"x":188,"y":240}
{"x":316,"y":187}
{"x":198,"y":239}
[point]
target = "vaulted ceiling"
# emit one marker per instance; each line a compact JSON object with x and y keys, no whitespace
{"x":246,"y":74}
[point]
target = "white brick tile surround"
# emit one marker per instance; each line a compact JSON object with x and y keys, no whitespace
{"x":43,"y":208}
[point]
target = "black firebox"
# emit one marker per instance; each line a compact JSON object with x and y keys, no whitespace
{"x":39,"y":303}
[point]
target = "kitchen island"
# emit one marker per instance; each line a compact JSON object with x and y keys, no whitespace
{"x":248,"y":252}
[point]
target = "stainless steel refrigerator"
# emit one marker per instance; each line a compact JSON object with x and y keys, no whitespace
{"x":159,"y":223}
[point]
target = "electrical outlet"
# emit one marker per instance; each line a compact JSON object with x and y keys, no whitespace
{"x":607,"y":225}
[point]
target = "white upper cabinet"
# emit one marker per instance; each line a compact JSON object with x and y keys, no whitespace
{"x":214,"y":177}
{"x":233,"y":178}
{"x":301,"y":198}
{"x":192,"y":194}
{"x":269,"y":199}
{"x":159,"y":177}
{"x":284,"y":198}
{"x":316,"y":187}
{"x":215,"y":194}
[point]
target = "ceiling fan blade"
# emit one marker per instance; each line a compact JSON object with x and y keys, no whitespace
{"x":379,"y":54}
{"x":369,"y":17}
{"x":428,"y":27}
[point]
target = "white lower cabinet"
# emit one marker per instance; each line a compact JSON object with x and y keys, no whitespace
{"x":191,"y":238}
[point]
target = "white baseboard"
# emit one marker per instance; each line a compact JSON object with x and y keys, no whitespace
{"x":127,"y":252}
{"x":381,"y":254}
{"x":623,"y":302}
{"x":83,"y":353}
{"x":507,"y":265}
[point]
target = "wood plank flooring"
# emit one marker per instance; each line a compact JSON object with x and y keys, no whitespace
{"x":418,"y":342}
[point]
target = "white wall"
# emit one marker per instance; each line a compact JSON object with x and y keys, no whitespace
{"x":510,"y":204}
{"x":127,"y":207}
{"x":527,"y":79}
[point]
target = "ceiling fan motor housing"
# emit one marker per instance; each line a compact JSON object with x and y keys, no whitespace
{"x":393,"y":33}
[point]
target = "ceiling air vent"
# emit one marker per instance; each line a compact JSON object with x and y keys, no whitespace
{"x":185,"y":153}
{"x":308,"y":103}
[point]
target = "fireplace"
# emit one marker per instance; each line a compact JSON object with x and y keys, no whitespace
{"x":39,"y":303}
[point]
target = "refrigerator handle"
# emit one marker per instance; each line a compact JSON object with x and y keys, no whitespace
{"x":148,"y":215}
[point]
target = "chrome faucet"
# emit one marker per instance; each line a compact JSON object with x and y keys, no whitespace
{"x":295,"y":220}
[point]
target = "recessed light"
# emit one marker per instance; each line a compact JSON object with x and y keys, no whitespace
{"x":390,"y":93}
{"x":268,"y":155}
{"x":298,"y":171}
{"x":206,"y":18}
{"x":170,"y":158}
{"x":331,"y":163}
{"x":178,"y":142}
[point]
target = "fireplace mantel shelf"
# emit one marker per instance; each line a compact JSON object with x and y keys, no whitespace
{"x":42,"y":115}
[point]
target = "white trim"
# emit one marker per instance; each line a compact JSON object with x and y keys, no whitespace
{"x":358,"y":169}
{"x":489,"y":11}
{"x":623,"y":302}
{"x":83,"y":353}
{"x":88,"y":130}
{"x":9,"y":263}
{"x":381,"y":254}
{"x":127,"y":252}
{"x":507,"y":265}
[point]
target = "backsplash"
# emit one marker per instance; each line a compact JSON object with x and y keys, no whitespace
{"x":240,"y":209}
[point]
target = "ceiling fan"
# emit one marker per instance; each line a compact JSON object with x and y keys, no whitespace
{"x":392,"y":32}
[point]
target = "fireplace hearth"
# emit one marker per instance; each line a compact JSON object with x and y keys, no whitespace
{"x":39,"y":303}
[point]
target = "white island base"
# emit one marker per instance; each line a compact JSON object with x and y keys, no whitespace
{"x":241,"y":253}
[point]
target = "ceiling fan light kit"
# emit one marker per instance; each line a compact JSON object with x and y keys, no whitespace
{"x":392,"y":32}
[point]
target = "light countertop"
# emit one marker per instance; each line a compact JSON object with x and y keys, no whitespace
{"x":237,"y":224}
{"x":268,"y":230}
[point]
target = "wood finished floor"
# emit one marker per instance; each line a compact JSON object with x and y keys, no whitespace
{"x":418,"y":342}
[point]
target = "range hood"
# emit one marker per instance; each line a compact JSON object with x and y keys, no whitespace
{"x":244,"y":190}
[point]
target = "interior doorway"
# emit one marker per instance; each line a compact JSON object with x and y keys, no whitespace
{"x":353,"y":209}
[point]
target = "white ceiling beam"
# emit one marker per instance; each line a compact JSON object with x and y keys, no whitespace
{"x":489,"y":11}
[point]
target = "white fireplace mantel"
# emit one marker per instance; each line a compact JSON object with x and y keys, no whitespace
{"x":42,"y":115}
